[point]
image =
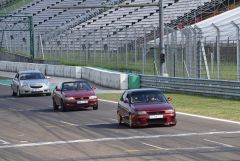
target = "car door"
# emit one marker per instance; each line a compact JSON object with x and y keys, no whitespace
{"x":57,"y":94}
{"x":15,"y":82}
{"x":124,"y":106}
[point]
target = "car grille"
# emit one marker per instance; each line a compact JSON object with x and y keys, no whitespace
{"x":36,"y":86}
{"x":156,"y":113}
{"x":82,"y":98}
{"x":157,"y":121}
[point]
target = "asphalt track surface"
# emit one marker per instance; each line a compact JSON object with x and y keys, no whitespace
{"x":31,"y":131}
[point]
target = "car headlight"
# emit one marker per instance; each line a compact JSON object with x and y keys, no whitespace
{"x":141,"y":112}
{"x":93,"y":97}
{"x":47,"y":84}
{"x":24,"y":85}
{"x":69,"y":98}
{"x":169,"y":111}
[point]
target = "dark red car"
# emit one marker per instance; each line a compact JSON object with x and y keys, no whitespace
{"x":143,"y":107}
{"x":74,"y":95}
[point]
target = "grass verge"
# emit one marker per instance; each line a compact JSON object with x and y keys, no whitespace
{"x":200,"y":105}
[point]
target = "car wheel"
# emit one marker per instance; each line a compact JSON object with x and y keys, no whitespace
{"x":62,"y":107}
{"x":130,"y":123}
{"x":48,"y":94}
{"x":18,"y":93}
{"x":55,"y":106}
{"x":119,"y":119}
{"x":95,"y":107}
{"x":13,"y":93}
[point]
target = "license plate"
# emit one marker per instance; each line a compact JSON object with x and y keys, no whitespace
{"x":156,"y":116}
{"x":82,"y":102}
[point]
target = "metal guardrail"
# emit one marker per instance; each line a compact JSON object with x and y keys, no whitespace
{"x":227,"y":89}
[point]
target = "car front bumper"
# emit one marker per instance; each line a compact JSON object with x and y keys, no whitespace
{"x":31,"y":91}
{"x":75,"y":105}
{"x":145,"y":120}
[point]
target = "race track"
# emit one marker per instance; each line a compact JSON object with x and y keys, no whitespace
{"x":31,"y":131}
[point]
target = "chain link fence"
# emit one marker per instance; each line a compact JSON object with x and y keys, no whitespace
{"x":210,"y":52}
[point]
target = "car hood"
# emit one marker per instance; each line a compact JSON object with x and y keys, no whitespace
{"x":78,"y":93}
{"x":152,"y":107}
{"x":34,"y":81}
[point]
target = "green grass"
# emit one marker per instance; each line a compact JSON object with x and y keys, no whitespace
{"x":200,"y":105}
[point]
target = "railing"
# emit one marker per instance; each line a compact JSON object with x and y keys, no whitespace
{"x":227,"y":89}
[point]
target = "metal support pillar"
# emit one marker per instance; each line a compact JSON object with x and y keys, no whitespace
{"x":31,"y":30}
{"x":161,"y":34}
{"x":238,"y":48}
{"x":218,"y":52}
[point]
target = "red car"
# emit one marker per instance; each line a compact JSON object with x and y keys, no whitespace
{"x":143,"y":107}
{"x":74,"y":95}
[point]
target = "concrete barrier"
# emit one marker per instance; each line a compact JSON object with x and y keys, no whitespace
{"x":101,"y":77}
{"x":105,"y":78}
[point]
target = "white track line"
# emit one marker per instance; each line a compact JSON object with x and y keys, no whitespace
{"x":193,"y":148}
{"x":116,"y":139}
{"x":157,"y":147}
{"x":192,"y":115}
{"x":227,"y":145}
{"x":4,"y":142}
{"x":68,"y":123}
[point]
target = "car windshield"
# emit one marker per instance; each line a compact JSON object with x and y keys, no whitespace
{"x":147,"y":97}
{"x":68,"y":86}
{"x":27,"y":76}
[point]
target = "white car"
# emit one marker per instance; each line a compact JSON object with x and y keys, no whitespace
{"x":30,"y":82}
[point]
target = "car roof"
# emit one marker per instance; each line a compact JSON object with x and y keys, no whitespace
{"x":29,"y":71}
{"x":143,"y":90}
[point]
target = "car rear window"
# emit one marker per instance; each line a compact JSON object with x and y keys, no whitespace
{"x":27,"y":76}
{"x":147,"y":97}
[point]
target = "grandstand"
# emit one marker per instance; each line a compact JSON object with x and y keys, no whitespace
{"x":116,"y":21}
{"x":93,"y":24}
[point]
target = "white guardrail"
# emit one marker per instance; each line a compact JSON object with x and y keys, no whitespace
{"x":227,"y":89}
{"x":101,"y":77}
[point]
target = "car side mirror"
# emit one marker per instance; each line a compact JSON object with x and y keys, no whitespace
{"x":93,"y":87}
{"x":169,"y":99}
{"x":126,"y":101}
{"x":58,"y":89}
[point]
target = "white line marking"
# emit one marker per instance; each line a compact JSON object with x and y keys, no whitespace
{"x":210,"y":118}
{"x":114,"y":120}
{"x":4,"y":142}
{"x":192,"y":115}
{"x":157,"y":147}
{"x":68,"y":123}
{"x":227,"y":145}
{"x":11,"y":98}
{"x":108,"y":101}
{"x":116,"y":139}
{"x":23,"y":141}
{"x":193,"y":148}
